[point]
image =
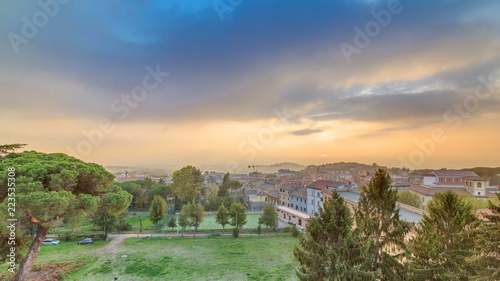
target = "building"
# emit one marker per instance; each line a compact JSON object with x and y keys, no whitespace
{"x":274,"y":197}
{"x":285,"y":191}
{"x":293,"y":216}
{"x":298,"y":199}
{"x":460,"y":182}
{"x":315,"y":195}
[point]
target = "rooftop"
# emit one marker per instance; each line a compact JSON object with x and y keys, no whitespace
{"x":454,"y":173}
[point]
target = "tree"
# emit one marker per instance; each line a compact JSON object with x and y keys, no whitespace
{"x":8,"y":148}
{"x":102,"y":219}
{"x":489,"y":245}
{"x":187,"y":183}
{"x":183,"y":221}
{"x":237,"y":215}
{"x":222,"y":217}
{"x":228,"y":184}
{"x":172,"y":222}
{"x":378,"y":219}
{"x":157,"y":210}
{"x":195,"y":213}
{"x":330,"y":248}
{"x":49,"y":188}
{"x":268,"y":217}
{"x":409,"y":198}
{"x":445,"y":240}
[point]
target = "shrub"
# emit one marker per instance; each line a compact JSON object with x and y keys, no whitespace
{"x":259,"y":229}
{"x":288,"y":229}
{"x":125,"y":226}
{"x":295,"y":231}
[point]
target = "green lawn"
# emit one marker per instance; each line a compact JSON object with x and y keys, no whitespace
{"x":216,"y":258}
{"x":69,"y":251}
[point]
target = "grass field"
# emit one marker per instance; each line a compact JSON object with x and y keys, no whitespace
{"x":216,"y":258}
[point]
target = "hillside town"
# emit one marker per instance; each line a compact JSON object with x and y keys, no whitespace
{"x":298,"y":195}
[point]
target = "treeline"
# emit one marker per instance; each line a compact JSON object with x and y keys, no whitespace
{"x":450,"y":243}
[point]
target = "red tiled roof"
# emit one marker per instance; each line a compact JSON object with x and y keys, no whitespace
{"x":274,"y":193}
{"x":319,"y":184}
{"x":431,"y":191}
{"x":455,"y":173}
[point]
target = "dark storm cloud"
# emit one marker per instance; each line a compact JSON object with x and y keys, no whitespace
{"x":234,"y":69}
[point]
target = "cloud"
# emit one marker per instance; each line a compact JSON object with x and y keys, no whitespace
{"x":306,"y":132}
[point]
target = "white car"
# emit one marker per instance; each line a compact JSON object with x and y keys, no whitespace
{"x":51,"y":242}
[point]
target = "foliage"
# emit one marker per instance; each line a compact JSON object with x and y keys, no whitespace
{"x":213,"y":203}
{"x":237,"y":215}
{"x":330,"y":248}
{"x":269,"y":216}
{"x":409,"y":198}
{"x":187,"y":184}
{"x":116,"y":201}
{"x":445,"y":240}
{"x":183,"y":220}
{"x":236,"y":232}
{"x":8,"y":148}
{"x":295,"y":231}
{"x":157,"y":210}
{"x":195,"y":213}
{"x":51,"y":187}
{"x":488,"y":244}
{"x":172,"y":223}
{"x":475,"y":203}
{"x":378,"y":219}
{"x":222,"y":216}
{"x":144,"y":191}
{"x":105,"y":221}
{"x":227,"y":185}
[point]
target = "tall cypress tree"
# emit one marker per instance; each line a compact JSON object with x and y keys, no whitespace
{"x":445,"y":240}
{"x":330,"y":248}
{"x":378,"y":218}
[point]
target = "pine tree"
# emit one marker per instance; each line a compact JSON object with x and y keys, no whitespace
{"x":330,"y":248}
{"x":378,"y":219}
{"x":488,"y":243}
{"x":444,"y":243}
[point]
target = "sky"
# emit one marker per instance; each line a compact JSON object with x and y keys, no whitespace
{"x":236,"y":82}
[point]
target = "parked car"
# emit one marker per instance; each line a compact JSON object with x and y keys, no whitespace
{"x":86,"y":241}
{"x":50,"y":242}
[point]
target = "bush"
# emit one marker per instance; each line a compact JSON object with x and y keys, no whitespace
{"x":295,"y":231}
{"x":66,"y":236}
{"x":259,"y":229}
{"x":288,"y":229}
{"x":125,"y":226}
{"x":236,"y":232}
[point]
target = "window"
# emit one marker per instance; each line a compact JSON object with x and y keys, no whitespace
{"x":479,"y":193}
{"x":479,"y":185}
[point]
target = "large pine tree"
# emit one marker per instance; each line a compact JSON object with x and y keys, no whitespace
{"x":330,"y":249}
{"x":377,"y":217}
{"x":488,"y":243}
{"x":444,"y":245}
